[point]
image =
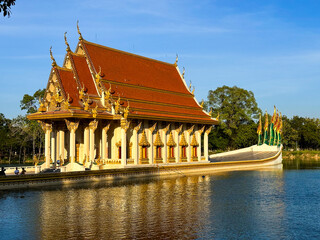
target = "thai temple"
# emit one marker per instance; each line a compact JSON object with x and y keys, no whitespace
{"x":106,"y":108}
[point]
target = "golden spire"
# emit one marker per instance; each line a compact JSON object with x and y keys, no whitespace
{"x":193,"y":91}
{"x":98,"y":77}
{"x":183,"y":141}
{"x":157,"y":141}
{"x":80,"y":36}
{"x":126,"y":111}
{"x":54,"y":64}
{"x":176,"y":62}
{"x":143,"y":141}
{"x":202,"y":103}
{"x":66,"y":42}
{"x":117,"y":105}
{"x":81,"y":93}
{"x":86,"y":104}
{"x":95,"y":111}
{"x":218,"y":116}
{"x":171,"y":142}
{"x":194,"y":141}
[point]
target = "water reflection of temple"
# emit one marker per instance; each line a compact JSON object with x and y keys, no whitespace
{"x":137,"y":210}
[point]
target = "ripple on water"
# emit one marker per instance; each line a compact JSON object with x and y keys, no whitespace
{"x":234,"y":205}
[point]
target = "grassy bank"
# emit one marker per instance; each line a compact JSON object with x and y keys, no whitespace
{"x":305,"y":155}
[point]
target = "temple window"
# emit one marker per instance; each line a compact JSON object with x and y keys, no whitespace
{"x":118,"y":144}
{"x":171,"y":145}
{"x":158,"y":145}
{"x":183,"y":146}
{"x":144,"y":144}
{"x":194,"y":150}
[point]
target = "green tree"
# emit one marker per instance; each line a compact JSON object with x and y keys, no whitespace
{"x":5,"y":6}
{"x":290,"y":135}
{"x":237,"y":107}
{"x":4,"y":135}
{"x":31,"y":104}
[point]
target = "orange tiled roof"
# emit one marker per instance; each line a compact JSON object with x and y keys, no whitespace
{"x":153,"y":89}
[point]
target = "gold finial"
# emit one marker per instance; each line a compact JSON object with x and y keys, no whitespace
{"x":176,"y":62}
{"x":117,"y":105}
{"x":126,"y":111}
{"x":183,"y":72}
{"x":95,"y":111}
{"x":202,"y":103}
{"x":66,"y":42}
{"x":107,"y":93}
{"x":218,"y":116}
{"x":81,"y":93}
{"x":54,"y":64}
{"x":86,"y":104}
{"x":193,"y":91}
{"x":210,"y":111}
{"x":80,"y":36}
{"x":66,"y":102}
{"x":41,"y":107}
{"x":98,"y":77}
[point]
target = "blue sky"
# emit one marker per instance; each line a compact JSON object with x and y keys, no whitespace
{"x":269,"y":47}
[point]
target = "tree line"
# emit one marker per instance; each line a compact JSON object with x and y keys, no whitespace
{"x":22,"y":139}
{"x":238,"y":113}
{"x":236,"y":108}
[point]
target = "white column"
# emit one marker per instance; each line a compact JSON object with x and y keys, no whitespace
{"x":72,"y":145}
{"x":93,"y":126}
{"x":177,"y":140}
{"x":57,"y":145}
{"x":86,"y":142}
{"x":205,"y":146}
{"x":105,"y":142}
{"x":205,"y":143}
{"x":151,"y":148}
{"x":123,"y":147}
{"x":72,"y":127}
{"x":61,"y":145}
{"x":188,"y":133}
{"x":135,"y":146}
{"x":198,"y":136}
{"x":53,"y":146}
{"x":47,"y":128}
{"x":124,"y":127}
{"x":165,"y":147}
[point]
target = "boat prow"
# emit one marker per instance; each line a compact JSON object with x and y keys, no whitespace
{"x":262,"y":154}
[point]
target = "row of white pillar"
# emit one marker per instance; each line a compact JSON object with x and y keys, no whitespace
{"x":57,"y":139}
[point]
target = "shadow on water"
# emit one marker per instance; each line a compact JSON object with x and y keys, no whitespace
{"x":298,"y":163}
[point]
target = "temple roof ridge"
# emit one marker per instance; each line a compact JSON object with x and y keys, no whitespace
{"x":128,"y":53}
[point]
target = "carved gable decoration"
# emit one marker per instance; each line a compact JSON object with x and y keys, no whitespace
{"x":194,"y":141}
{"x":171,"y":142}
{"x":143,"y":141}
{"x":183,"y":141}
{"x":157,"y":141}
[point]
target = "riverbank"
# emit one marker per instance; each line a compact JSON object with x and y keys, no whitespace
{"x":305,"y":155}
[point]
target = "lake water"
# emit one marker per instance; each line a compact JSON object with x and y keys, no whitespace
{"x":266,"y":204}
